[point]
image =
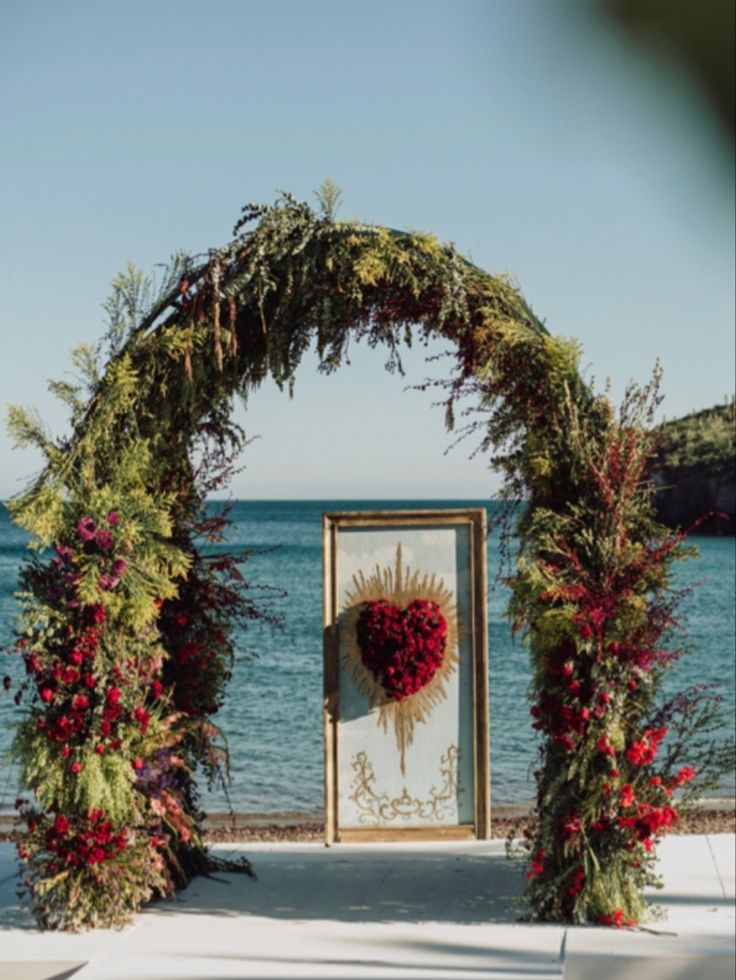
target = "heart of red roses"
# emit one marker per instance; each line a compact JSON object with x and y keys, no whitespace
{"x":403,"y":647}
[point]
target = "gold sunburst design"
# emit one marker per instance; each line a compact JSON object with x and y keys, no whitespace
{"x":401,"y":586}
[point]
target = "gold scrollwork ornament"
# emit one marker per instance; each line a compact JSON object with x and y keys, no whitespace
{"x":380,"y":808}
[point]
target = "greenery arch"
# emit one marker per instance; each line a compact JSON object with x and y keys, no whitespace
{"x":125,"y":628}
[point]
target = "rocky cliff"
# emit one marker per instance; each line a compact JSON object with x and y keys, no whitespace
{"x":695,"y":470}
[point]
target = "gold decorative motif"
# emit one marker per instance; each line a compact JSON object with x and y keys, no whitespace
{"x":400,"y":586}
{"x":380,"y":808}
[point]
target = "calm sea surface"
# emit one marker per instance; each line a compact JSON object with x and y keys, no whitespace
{"x":273,"y":718}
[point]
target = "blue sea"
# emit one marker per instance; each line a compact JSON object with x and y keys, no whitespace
{"x":273,"y":714}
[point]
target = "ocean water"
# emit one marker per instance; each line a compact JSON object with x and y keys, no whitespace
{"x":273,"y":714}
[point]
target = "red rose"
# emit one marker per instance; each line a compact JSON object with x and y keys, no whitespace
{"x":572,"y":825}
{"x":96,"y":856}
{"x":61,"y":824}
{"x":142,"y":717}
{"x":97,"y":613}
{"x":138,"y":764}
{"x":47,"y":694}
{"x":113,"y":518}
{"x":75,"y":767}
{"x":628,"y":796}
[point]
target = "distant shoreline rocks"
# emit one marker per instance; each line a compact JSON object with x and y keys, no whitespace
{"x":695,"y":472}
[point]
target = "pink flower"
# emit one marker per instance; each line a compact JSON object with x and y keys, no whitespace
{"x":86,"y":529}
{"x":113,"y":518}
{"x":119,"y":567}
{"x":104,"y":540}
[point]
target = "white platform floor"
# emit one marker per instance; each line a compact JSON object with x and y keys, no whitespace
{"x":388,"y":910}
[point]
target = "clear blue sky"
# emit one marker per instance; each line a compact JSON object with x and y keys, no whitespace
{"x":522,"y":130}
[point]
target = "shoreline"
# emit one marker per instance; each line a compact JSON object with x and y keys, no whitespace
{"x":709,"y":816}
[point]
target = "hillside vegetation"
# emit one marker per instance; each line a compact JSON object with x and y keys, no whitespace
{"x":695,"y":472}
{"x":705,"y":438}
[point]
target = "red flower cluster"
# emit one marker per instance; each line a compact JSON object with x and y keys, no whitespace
{"x":649,"y":822}
{"x":537,"y":864}
{"x":616,"y":919}
{"x":577,"y":883}
{"x":642,"y":752}
{"x":403,"y":648}
{"x":56,"y":680}
{"x":94,"y":841}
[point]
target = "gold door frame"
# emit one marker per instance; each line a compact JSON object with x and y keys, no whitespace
{"x":475,"y":518}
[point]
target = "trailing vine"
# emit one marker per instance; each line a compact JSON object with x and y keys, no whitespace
{"x":126,"y":627}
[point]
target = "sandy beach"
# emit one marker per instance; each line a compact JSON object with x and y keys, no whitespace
{"x":710,"y":817}
{"x":222,"y":828}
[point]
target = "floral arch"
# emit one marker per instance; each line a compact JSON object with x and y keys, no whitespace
{"x":125,"y":626}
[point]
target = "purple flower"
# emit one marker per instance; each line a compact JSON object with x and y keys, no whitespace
{"x":86,"y":528}
{"x":104,"y":540}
